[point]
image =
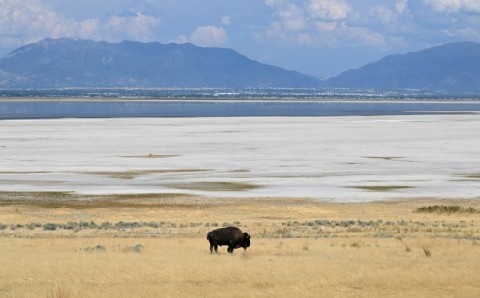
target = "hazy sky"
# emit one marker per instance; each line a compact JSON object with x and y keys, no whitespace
{"x":317,"y":37}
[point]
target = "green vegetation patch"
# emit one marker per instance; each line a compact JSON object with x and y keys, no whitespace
{"x":215,"y":186}
{"x":381,"y":188}
{"x":447,"y":209}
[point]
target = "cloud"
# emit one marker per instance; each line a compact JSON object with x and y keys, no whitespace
{"x":205,"y":36}
{"x":180,"y":39}
{"x":304,"y":38}
{"x":209,"y":36}
{"x":226,"y":20}
{"x":291,"y":17}
{"x":138,"y":27}
{"x":321,"y":22}
{"x":466,"y":6}
{"x":329,"y":9}
{"x":380,"y":25}
{"x":401,"y":6}
{"x":26,"y":21}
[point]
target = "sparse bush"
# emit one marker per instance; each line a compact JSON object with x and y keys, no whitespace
{"x":106,"y":225}
{"x":355,"y":244}
{"x":99,"y":248}
{"x":447,"y":209}
{"x":136,"y":248}
{"x":30,"y":226}
{"x":154,"y":225}
{"x":283,"y":232}
{"x":70,"y":226}
{"x":49,"y":227}
{"x":59,"y":292}
{"x":428,"y":252}
{"x":83,"y":224}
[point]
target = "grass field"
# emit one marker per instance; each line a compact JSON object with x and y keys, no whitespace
{"x":155,"y":246}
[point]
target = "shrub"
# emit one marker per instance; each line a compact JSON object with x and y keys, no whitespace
{"x":355,"y":244}
{"x":428,"y":252}
{"x":447,"y":209}
{"x":106,"y":225}
{"x":137,"y":248}
{"x":49,"y":227}
{"x":70,"y":226}
{"x":99,"y":248}
{"x":30,"y":226}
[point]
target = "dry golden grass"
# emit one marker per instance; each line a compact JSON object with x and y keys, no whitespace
{"x":290,"y":256}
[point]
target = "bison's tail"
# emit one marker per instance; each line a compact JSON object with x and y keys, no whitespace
{"x":208,"y":236}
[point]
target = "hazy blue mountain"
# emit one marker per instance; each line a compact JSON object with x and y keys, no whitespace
{"x":452,"y":67}
{"x":83,"y":63}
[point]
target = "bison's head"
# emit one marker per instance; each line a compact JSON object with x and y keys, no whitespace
{"x":246,"y":241}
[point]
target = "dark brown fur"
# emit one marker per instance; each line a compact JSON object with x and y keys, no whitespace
{"x":231,"y":236}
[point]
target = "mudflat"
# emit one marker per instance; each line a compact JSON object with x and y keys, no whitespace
{"x":347,"y":159}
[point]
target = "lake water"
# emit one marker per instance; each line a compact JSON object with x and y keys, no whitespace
{"x":38,"y":109}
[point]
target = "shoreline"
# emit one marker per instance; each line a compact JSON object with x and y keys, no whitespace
{"x":246,"y":99}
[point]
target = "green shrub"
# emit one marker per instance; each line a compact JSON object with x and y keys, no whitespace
{"x":136,"y":248}
{"x":49,"y":227}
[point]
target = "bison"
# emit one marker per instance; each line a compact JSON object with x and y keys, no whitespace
{"x":231,"y":236}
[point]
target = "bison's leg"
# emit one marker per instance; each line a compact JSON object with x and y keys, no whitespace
{"x":230,"y":249}
{"x":211,"y":247}
{"x":216,"y":249}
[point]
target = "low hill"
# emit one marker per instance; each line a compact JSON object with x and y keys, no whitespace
{"x":83,"y":63}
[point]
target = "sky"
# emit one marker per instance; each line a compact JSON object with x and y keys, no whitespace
{"x":317,"y":37}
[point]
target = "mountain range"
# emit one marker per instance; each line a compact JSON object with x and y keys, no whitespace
{"x":83,"y":63}
{"x":452,"y":67}
{"x":56,"y":63}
